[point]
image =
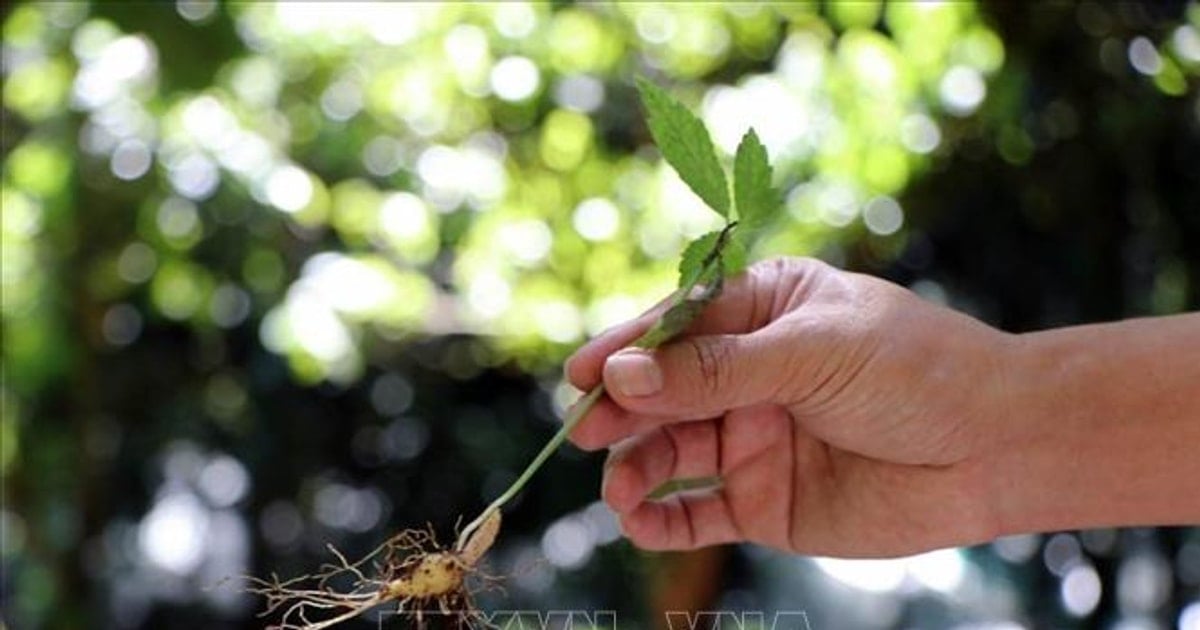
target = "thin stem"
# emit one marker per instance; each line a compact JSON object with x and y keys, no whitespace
{"x":660,"y":332}
{"x":577,"y":412}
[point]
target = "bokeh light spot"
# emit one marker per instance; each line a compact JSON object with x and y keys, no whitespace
{"x":1187,"y":563}
{"x":122,"y":324}
{"x":1061,"y":553}
{"x":874,"y":576}
{"x":942,"y":570}
{"x":883,"y":216}
{"x":230,"y":306}
{"x":1143,"y":582}
{"x":919,"y":133}
{"x":1017,"y":549}
{"x":962,"y":90}
{"x":136,"y":263}
{"x":289,"y":188}
{"x":224,"y":481}
{"x":1189,"y":617}
{"x":194,"y":176}
{"x":568,"y":543}
{"x":596,"y":219}
{"x":528,"y":241}
{"x":177,"y":218}
{"x":391,"y":394}
{"x":382,"y":155}
{"x":173,"y":534}
{"x":489,"y":295}
{"x":1186,"y":42}
{"x":515,"y":78}
{"x":514,"y":20}
{"x":1080,"y":590}
{"x":342,"y":100}
{"x":1144,"y":57}
{"x":344,"y":507}
{"x":131,"y":160}
{"x":559,"y":321}
{"x":403,"y":215}
{"x":196,"y":10}
{"x":579,"y":92}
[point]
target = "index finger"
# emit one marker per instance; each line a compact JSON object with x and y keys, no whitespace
{"x":738,"y":309}
{"x":584,"y":368}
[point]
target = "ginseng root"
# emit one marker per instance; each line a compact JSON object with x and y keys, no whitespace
{"x":409,"y":570}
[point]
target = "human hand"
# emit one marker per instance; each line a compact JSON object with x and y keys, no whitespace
{"x":845,"y":416}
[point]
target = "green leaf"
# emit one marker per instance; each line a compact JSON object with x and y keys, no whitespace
{"x":672,"y":323}
{"x":686,"y":145}
{"x":686,"y":484}
{"x":756,"y":200}
{"x":693,"y":263}
{"x":734,"y":256}
{"x":704,"y":262}
{"x":693,"y":259}
{"x":686,"y":307}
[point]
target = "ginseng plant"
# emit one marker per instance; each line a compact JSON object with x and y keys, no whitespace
{"x":411,"y":570}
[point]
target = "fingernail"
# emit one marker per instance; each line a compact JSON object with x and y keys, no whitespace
{"x":633,"y":373}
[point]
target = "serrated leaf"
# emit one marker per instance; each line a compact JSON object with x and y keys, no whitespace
{"x":694,"y":260}
{"x":702,"y":262}
{"x":672,"y":324}
{"x":694,"y":257}
{"x":684,"y":142}
{"x":687,"y":306}
{"x":756,"y":199}
{"x":734,"y":256}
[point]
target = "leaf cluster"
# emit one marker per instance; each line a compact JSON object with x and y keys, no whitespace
{"x":685,"y":144}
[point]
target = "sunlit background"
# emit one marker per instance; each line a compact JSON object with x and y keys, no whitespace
{"x":277,"y":275}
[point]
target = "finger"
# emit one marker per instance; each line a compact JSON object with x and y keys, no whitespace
{"x":684,"y":521}
{"x":607,"y":423}
{"x":760,"y":478}
{"x":583,"y":367}
{"x":748,"y":432}
{"x":747,"y":302}
{"x":706,"y":375}
{"x":594,"y":430}
{"x":676,"y":451}
{"x":701,"y":448}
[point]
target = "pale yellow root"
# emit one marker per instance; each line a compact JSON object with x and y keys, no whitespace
{"x":442,"y":573}
{"x":435,"y":575}
{"x":408,"y":569}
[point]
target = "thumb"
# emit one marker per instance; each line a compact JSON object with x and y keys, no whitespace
{"x":702,"y":376}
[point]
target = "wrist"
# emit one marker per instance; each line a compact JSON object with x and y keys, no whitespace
{"x":1032,"y":423}
{"x":1099,"y":429}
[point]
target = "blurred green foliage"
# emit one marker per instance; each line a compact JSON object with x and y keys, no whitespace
{"x":453,"y":167}
{"x":377,"y":196}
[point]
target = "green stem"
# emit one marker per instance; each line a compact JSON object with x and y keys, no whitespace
{"x":577,"y":412}
{"x":681,"y":313}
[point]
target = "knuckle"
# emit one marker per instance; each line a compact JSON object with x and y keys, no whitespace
{"x":671,"y":446}
{"x":712,"y":359}
{"x":796,"y":265}
{"x":773,"y":267}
